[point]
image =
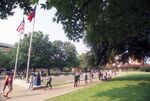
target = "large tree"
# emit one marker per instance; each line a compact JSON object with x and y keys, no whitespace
{"x":41,"y":51}
{"x":110,"y":26}
{"x":45,"y":54}
{"x":65,"y":55}
{"x":86,"y":60}
{"x":7,"y":7}
{"x":5,"y":59}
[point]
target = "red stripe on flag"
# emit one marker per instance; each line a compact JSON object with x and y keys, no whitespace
{"x":20,"y":28}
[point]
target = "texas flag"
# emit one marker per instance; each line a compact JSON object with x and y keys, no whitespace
{"x":32,"y":14}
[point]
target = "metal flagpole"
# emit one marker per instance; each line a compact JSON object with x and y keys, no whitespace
{"x":20,"y":29}
{"x":16,"y":62}
{"x":29,"y":52}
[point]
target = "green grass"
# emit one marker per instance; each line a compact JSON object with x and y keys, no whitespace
{"x":132,"y":87}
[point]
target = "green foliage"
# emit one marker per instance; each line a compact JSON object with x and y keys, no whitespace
{"x":110,"y":27}
{"x":44,"y":53}
{"x":65,"y":55}
{"x":86,"y":61}
{"x":41,"y":51}
{"x":83,"y":62}
{"x":145,"y":69}
{"x":7,"y":7}
{"x":5,"y":59}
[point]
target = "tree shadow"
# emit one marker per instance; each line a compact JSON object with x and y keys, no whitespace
{"x":138,"y":92}
{"x":134,"y":77}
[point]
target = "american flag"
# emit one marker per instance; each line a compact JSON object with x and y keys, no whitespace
{"x":20,"y":28}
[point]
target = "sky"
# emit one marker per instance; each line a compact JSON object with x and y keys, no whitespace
{"x":43,"y":22}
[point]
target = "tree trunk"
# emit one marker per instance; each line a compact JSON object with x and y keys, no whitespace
{"x":48,"y":70}
{"x":34,"y":69}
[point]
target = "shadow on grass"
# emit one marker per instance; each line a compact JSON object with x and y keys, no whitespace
{"x":139,"y":92}
{"x":133,"y":77}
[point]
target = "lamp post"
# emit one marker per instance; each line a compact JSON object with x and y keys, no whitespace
{"x":118,"y":57}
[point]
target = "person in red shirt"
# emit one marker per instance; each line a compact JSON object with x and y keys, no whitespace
{"x":10,"y":84}
{"x":6,"y":81}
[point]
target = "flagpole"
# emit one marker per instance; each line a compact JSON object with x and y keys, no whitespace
{"x":16,"y":62}
{"x":29,"y":52}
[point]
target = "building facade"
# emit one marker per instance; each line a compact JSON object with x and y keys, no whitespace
{"x":5,"y":47}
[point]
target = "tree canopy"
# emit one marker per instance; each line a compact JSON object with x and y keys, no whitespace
{"x":7,"y":6}
{"x":45,"y":54}
{"x":5,"y":59}
{"x":109,"y":27}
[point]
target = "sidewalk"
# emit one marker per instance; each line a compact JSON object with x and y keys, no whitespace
{"x":22,"y":94}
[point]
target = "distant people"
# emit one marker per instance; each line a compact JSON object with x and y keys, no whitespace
{"x":86,"y":77}
{"x":75,"y":80}
{"x":10,"y":84}
{"x":91,"y":75}
{"x":31,"y":81}
{"x":76,"y":77}
{"x":23,"y":75}
{"x":39,"y":79}
{"x":41,"y":73}
{"x":49,"y":82}
{"x":100,"y":75}
{"x":78,"y":74}
{"x":6,"y":81}
{"x":107,"y":76}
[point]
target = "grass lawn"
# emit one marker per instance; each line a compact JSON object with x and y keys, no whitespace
{"x":132,"y":87}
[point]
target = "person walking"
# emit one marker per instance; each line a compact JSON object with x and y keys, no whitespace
{"x":91,"y":75}
{"x":49,"y":80}
{"x":31,"y":81}
{"x":76,"y":77}
{"x":6,"y":81}
{"x":86,"y":77}
{"x":100,"y":75}
{"x":10,"y":84}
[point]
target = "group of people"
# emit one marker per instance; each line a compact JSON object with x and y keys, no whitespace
{"x":8,"y":82}
{"x":106,"y":75}
{"x":38,"y":78}
{"x":88,"y":75}
{"x":77,"y":73}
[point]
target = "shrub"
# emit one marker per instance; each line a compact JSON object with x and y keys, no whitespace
{"x":146,"y":69}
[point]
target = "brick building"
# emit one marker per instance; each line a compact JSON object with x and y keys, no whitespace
{"x":5,"y":47}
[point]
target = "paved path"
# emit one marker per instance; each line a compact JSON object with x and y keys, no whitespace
{"x":21,"y":94}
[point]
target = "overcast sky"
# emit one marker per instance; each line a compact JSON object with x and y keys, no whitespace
{"x":8,"y":33}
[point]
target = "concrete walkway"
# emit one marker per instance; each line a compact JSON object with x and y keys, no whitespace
{"x":21,"y":94}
